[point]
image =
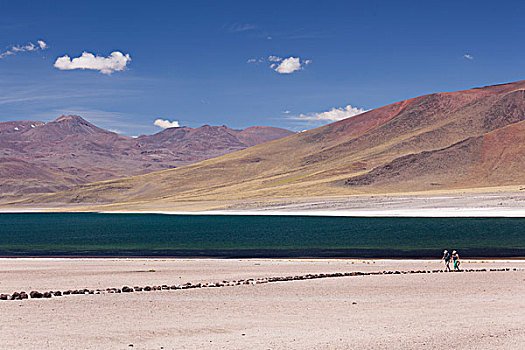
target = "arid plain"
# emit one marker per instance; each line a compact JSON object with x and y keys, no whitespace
{"x":475,"y":310}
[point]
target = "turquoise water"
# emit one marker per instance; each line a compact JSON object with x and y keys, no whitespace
{"x":91,"y":234}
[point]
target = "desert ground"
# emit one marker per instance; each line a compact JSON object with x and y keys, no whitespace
{"x":495,"y":201}
{"x":478,"y":310}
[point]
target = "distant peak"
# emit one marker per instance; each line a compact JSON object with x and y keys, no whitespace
{"x":70,"y":117}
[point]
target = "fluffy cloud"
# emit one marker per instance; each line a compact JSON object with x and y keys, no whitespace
{"x":115,"y":62}
{"x":282,"y":65}
{"x":164,"y":123}
{"x":290,"y":65}
{"x":332,"y":115}
{"x":468,"y":57}
{"x":40,"y":45}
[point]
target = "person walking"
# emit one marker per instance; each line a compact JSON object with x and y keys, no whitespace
{"x":455,"y":258}
{"x":446,"y":260}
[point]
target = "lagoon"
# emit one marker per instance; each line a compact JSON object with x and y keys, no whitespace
{"x":245,"y":236}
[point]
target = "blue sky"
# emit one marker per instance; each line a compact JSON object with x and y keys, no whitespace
{"x":206,"y":62}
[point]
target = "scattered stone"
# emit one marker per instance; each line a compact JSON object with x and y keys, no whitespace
{"x":126,"y":289}
{"x":35,"y":295}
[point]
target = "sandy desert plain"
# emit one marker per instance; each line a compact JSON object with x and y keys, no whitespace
{"x":467,"y":310}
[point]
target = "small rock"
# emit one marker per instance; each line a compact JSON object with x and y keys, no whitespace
{"x":36,"y":295}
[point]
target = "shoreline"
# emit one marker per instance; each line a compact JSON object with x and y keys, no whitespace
{"x":417,"y":213}
{"x":399,"y":213}
{"x":270,"y":260}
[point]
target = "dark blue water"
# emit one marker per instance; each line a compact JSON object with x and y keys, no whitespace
{"x":90,"y":234}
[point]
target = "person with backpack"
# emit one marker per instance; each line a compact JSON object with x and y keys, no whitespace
{"x":455,"y":257}
{"x":446,"y":259}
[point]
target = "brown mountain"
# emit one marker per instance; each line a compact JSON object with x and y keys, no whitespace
{"x":37,"y":157}
{"x":446,"y":141}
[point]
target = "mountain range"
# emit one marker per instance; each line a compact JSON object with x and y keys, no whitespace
{"x":443,"y":141}
{"x":37,"y":157}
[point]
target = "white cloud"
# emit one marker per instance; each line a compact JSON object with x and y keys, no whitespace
{"x":41,"y":45}
{"x":468,"y":57}
{"x":240,"y":27}
{"x":287,"y":112}
{"x":255,"y":60}
{"x":290,"y":65}
{"x":282,"y":65}
{"x":115,"y":62}
{"x":332,"y":115}
{"x":164,"y":123}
